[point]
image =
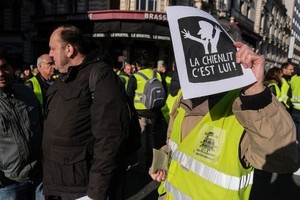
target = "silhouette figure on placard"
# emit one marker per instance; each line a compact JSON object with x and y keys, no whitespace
{"x":207,"y":39}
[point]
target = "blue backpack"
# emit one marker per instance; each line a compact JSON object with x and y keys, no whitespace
{"x":154,"y":95}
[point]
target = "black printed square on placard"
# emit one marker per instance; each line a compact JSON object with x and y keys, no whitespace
{"x":209,"y":52}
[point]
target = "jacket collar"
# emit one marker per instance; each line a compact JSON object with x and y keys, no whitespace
{"x":93,"y":57}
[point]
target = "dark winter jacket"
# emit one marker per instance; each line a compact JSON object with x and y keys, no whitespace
{"x":20,"y":135}
{"x":83,"y":141}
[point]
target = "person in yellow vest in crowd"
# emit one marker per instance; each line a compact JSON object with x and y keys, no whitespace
{"x":42,"y":80}
{"x":287,"y":70}
{"x":173,"y":86}
{"x":135,"y":89}
{"x":125,"y":73}
{"x":164,"y":73}
{"x":273,"y":82}
{"x":295,"y":100}
{"x":27,"y":74}
{"x":34,"y":70}
{"x":162,"y":119}
{"x":220,"y":145}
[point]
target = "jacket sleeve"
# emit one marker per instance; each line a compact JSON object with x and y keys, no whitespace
{"x":109,"y":115}
{"x":270,"y":140}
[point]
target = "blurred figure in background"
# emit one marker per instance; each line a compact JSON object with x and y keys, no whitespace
{"x":273,"y":82}
{"x":34,"y":70}
{"x":295,"y":100}
{"x":27,"y":74}
{"x":287,"y":70}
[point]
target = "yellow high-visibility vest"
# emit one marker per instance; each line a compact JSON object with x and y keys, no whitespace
{"x":206,"y":164}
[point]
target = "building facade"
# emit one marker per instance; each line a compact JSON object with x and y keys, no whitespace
{"x":130,"y":28}
{"x":293,"y":7}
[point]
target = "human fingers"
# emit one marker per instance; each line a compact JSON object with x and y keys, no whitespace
{"x":159,"y":175}
{"x":244,"y":54}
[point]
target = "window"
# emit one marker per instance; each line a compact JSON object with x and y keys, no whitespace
{"x":149,"y":5}
{"x":72,"y":6}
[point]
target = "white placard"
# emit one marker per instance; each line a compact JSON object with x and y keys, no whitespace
{"x":204,"y":54}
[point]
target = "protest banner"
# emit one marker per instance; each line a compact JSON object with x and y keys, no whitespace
{"x":204,"y":54}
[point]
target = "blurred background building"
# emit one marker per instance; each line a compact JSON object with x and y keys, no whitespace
{"x":130,"y":28}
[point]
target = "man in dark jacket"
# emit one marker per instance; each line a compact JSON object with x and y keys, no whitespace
{"x":20,"y":138}
{"x":84,"y":139}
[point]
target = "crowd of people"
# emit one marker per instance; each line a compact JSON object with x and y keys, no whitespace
{"x":284,"y":84}
{"x":59,"y":142}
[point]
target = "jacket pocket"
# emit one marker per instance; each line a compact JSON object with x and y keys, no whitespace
{"x":69,"y":166}
{"x":71,"y":93}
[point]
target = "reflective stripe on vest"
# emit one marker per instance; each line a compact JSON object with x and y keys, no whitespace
{"x":176,"y":193}
{"x":208,"y":158}
{"x":211,"y":174}
{"x":173,"y":145}
{"x":296,"y":105}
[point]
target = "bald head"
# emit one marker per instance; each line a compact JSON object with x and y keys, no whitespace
{"x":67,"y":47}
{"x":128,"y":69}
{"x":45,"y":65}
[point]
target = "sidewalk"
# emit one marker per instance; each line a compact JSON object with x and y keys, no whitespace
{"x":140,"y":186}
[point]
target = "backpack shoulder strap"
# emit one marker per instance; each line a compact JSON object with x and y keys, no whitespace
{"x":154,"y":73}
{"x":94,"y":76}
{"x":142,"y":75}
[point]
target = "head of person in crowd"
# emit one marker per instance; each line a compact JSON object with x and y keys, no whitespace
{"x":45,"y":65}
{"x":287,"y":69}
{"x":128,"y":69}
{"x":67,"y":47}
{"x":138,"y":65}
{"x":6,"y":71}
{"x":27,"y":73}
{"x":34,"y":69}
{"x":161,"y":67}
{"x":134,"y":69}
{"x":143,"y":62}
{"x":273,"y":75}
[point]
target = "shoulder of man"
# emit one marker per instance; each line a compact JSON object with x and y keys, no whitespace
{"x":25,"y":93}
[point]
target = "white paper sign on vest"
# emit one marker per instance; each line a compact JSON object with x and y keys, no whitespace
{"x":204,"y":54}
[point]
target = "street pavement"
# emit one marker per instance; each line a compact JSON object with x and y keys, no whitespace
{"x":140,"y":186}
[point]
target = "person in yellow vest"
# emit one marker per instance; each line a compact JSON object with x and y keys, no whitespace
{"x":295,"y":100}
{"x":215,"y":143}
{"x":173,"y":92}
{"x":34,"y":70}
{"x":135,"y":89}
{"x":287,"y":70}
{"x":27,"y":74}
{"x":273,"y":82}
{"x":42,"y":80}
{"x":125,"y":73}
{"x":164,"y":73}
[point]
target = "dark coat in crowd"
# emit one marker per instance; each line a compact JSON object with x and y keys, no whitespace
{"x":83,"y":142}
